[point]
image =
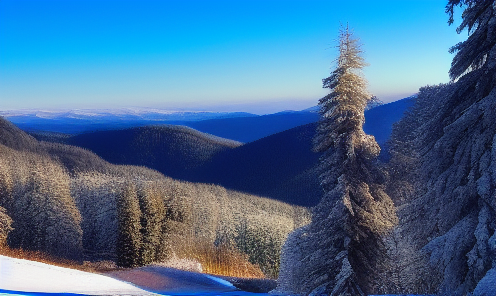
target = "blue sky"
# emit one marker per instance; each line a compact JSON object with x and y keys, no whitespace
{"x":255,"y":56}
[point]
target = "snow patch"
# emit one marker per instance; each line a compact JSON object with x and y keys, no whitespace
{"x":19,"y":275}
{"x":220,"y":281}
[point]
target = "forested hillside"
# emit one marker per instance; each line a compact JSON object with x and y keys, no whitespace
{"x":68,"y":202}
{"x":281,"y":166}
{"x":175,"y":151}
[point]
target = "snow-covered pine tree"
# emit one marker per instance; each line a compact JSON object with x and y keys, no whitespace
{"x":478,"y":50}
{"x":341,"y":251}
{"x":450,"y":139}
{"x":152,"y":216}
{"x":5,"y":226}
{"x":129,"y":238}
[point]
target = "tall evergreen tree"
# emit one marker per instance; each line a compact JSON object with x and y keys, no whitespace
{"x":342,"y":247}
{"x":445,"y":147}
{"x":5,"y":226}
{"x":129,"y":238}
{"x":152,"y":216}
{"x":478,"y":51}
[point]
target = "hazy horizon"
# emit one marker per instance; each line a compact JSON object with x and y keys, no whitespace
{"x":251,"y":56}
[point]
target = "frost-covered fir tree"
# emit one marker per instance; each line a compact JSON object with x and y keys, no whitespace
{"x":340,"y":252}
{"x":5,"y":226}
{"x":450,"y":137}
{"x":478,"y":50}
{"x":129,"y":239}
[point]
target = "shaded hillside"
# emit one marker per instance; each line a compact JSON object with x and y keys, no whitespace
{"x":173,"y":150}
{"x":280,"y":166}
{"x":249,"y":129}
{"x":68,"y":202}
{"x":283,"y":166}
{"x":379,"y":120}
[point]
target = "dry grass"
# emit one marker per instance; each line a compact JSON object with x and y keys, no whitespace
{"x":214,"y":260}
{"x":182,"y":264}
{"x":220,"y":260}
{"x":38,"y":256}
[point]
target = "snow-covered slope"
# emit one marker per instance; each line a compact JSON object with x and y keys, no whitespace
{"x":18,"y":275}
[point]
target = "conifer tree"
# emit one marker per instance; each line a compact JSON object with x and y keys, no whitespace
{"x":342,"y":247}
{"x":5,"y":226}
{"x":44,"y":215}
{"x":152,"y":216}
{"x":445,"y":148}
{"x":129,"y":238}
{"x":477,"y":51}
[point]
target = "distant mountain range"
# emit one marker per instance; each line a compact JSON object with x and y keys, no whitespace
{"x":238,"y":126}
{"x":123,"y":114}
{"x":80,"y":121}
{"x":278,"y":163}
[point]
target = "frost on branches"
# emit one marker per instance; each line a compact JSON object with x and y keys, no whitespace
{"x":450,"y":137}
{"x":340,"y":252}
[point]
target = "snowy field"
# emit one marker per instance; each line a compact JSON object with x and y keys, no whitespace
{"x":23,"y":277}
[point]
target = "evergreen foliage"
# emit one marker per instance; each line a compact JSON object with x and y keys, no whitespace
{"x":44,"y":215}
{"x":443,"y":170}
{"x":342,"y":248}
{"x":5,"y":226}
{"x":152,"y":222}
{"x":129,"y":237}
{"x":478,"y":50}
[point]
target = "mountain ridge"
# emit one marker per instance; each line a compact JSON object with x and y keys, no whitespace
{"x":281,"y":166}
{"x":68,"y":202}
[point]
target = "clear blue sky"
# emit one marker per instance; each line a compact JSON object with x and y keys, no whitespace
{"x":246,"y":55}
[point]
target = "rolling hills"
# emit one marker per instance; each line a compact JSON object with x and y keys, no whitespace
{"x":175,"y":151}
{"x":249,"y":129}
{"x":281,"y":166}
{"x":68,"y":202}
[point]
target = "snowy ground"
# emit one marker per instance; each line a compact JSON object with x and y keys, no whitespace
{"x":18,"y":276}
{"x":23,"y":277}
